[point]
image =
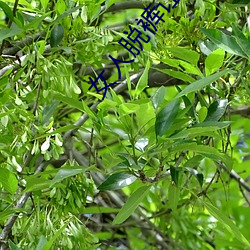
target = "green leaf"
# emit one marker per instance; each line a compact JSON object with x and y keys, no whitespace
{"x":214,"y":61}
{"x":70,"y":101}
{"x":9,"y":211}
{"x":143,"y":81}
{"x":223,"y":41}
{"x":41,"y":243}
{"x":128,"y":108}
{"x":174,"y":172}
{"x":193,"y":132}
{"x":166,"y":117}
{"x":49,"y":244}
{"x":177,"y":74}
{"x":44,"y":3}
{"x":245,"y":2}
{"x":158,"y":97}
{"x":132,"y":203}
{"x":216,"y":110}
{"x":227,"y":223}
{"x":49,"y":110}
{"x":197,"y":85}
{"x":66,"y":172}
{"x":35,"y":184}
{"x":202,"y":114}
{"x":186,"y":54}
{"x":117,"y":181}
{"x":13,"y":246}
{"x":98,"y":210}
{"x":56,"y":35}
{"x":173,"y":196}
{"x":219,"y":125}
{"x":9,"y":32}
{"x":8,"y":180}
{"x":198,"y":175}
{"x":7,"y":10}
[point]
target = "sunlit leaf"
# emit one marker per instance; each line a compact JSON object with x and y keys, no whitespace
{"x":8,"y":180}
{"x":214,"y":61}
{"x":143,"y":81}
{"x":158,"y":97}
{"x":117,"y":181}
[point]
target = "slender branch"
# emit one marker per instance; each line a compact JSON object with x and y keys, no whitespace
{"x":9,"y":24}
{"x":20,"y":203}
{"x":21,"y":44}
{"x":16,"y":63}
{"x":125,"y":6}
{"x":236,"y":177}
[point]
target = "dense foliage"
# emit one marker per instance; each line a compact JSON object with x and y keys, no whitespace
{"x":161,"y":163}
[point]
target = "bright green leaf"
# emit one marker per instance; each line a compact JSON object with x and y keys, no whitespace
{"x":143,"y":81}
{"x":214,"y":61}
{"x":186,"y":54}
{"x":8,"y":180}
{"x":158,"y":97}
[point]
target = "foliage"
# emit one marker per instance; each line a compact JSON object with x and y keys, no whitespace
{"x":160,"y":163}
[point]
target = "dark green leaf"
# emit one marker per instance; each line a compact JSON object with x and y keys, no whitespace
{"x":8,"y":180}
{"x":166,"y":117}
{"x":240,"y":2}
{"x":198,"y":175}
{"x":174,"y":172}
{"x":216,"y":110}
{"x":223,"y":41}
{"x":56,"y":35}
{"x":117,"y":181}
{"x":7,"y":10}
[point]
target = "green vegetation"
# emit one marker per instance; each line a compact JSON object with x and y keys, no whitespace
{"x":161,"y":163}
